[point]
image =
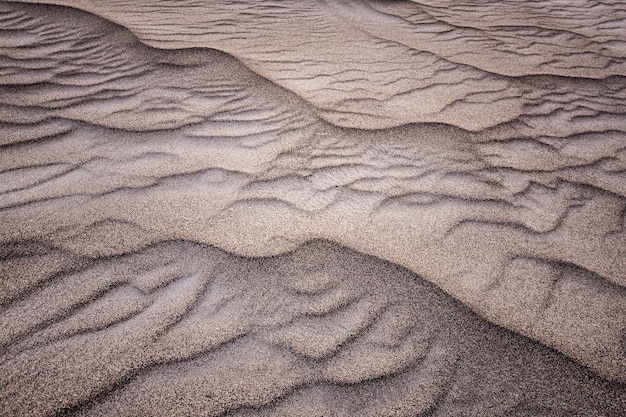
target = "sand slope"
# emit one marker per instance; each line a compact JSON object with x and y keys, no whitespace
{"x":480,"y":146}
{"x":180,"y":328}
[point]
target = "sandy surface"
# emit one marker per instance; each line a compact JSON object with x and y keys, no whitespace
{"x":313,"y":208}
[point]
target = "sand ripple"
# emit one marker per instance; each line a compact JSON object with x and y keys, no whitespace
{"x":480,"y":146}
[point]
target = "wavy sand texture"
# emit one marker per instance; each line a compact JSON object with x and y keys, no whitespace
{"x":479,"y":145}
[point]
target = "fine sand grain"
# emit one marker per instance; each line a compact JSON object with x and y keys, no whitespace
{"x":314,"y":208}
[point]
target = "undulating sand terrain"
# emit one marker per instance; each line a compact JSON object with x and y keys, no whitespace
{"x":313,"y":208}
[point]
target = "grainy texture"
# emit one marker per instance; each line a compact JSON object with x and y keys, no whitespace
{"x":206,"y":207}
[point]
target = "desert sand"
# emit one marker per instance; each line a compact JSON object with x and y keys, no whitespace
{"x":313,"y":208}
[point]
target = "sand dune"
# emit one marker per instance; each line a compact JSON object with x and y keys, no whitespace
{"x":397,"y":61}
{"x":479,"y":145}
{"x":180,"y":328}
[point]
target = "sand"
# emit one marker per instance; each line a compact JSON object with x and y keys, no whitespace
{"x":312,"y":208}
